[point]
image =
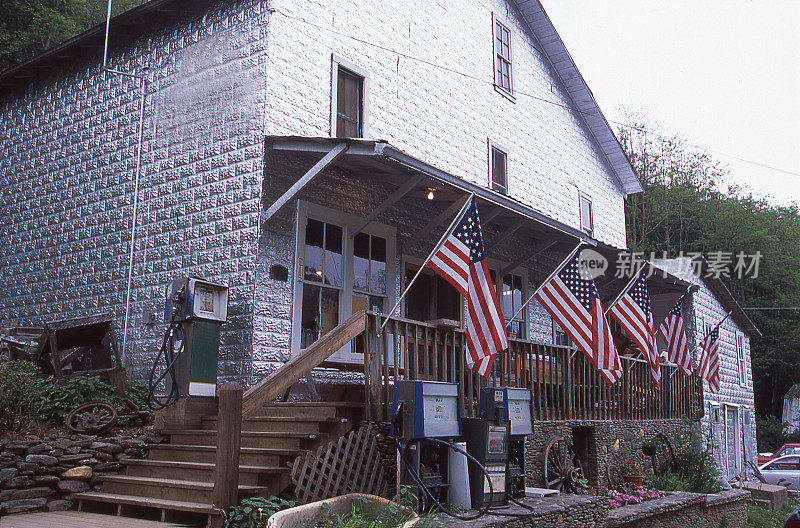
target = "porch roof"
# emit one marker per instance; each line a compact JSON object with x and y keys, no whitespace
{"x":507,"y":216}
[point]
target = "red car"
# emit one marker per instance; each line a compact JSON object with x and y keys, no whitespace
{"x":787,"y":449}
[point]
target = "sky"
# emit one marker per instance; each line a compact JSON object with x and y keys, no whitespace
{"x":724,"y":75}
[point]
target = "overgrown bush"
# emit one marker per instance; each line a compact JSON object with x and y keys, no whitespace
{"x":758,"y":517}
{"x":24,"y":395}
{"x":695,"y":467}
{"x":18,"y":384}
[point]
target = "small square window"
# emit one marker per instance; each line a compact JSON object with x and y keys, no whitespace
{"x":587,"y":214}
{"x":499,"y":169}
{"x":503,"y":78}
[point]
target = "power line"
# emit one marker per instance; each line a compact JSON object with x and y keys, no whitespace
{"x":772,"y":308}
{"x":518,"y":92}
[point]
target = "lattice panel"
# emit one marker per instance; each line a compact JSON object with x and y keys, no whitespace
{"x":348,"y":465}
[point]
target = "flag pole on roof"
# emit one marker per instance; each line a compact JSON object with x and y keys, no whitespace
{"x":446,"y":233}
{"x":556,"y":270}
{"x":625,"y":289}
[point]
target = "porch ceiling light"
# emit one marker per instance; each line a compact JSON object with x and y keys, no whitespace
{"x":431,"y":193}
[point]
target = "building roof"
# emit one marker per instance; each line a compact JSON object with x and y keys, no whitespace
{"x":793,"y":392}
{"x":684,"y":268}
{"x":147,"y":16}
{"x":582,"y":98}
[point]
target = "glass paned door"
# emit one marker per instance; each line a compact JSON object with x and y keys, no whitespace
{"x":322,"y":280}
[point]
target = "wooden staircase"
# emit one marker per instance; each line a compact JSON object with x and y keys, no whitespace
{"x":176,"y":482}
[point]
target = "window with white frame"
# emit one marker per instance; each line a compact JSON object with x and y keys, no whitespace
{"x":511,"y":301}
{"x":741,"y":359}
{"x":503,"y":79}
{"x":369,"y":272}
{"x":587,"y":214}
{"x":498,"y":168}
{"x":348,"y":100}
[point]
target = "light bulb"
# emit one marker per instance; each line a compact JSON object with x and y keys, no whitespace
{"x":431,"y":196}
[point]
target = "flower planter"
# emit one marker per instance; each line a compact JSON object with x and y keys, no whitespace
{"x":634,"y":480}
{"x":314,"y":513}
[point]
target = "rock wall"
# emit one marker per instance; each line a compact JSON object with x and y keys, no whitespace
{"x":685,"y":510}
{"x":39,"y":474}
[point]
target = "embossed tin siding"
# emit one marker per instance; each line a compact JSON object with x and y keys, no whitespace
{"x":67,"y":173}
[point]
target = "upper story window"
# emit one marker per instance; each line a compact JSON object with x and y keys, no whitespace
{"x":348,"y":100}
{"x":503,"y":79}
{"x":587,"y":214}
{"x":511,"y":302}
{"x":741,"y":360}
{"x":498,"y":168}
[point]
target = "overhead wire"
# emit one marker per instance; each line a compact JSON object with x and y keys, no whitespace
{"x":519,"y":92}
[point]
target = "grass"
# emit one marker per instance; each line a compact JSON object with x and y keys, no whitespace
{"x":760,"y":518}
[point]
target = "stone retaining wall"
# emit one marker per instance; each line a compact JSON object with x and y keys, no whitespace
{"x":38,"y":474}
{"x":727,"y":509}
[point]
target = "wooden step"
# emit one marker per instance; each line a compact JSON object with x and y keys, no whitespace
{"x":170,"y":489}
{"x":200,"y":472}
{"x":248,"y":456}
{"x":279,"y":440}
{"x":308,"y":409}
{"x":277,"y":424}
{"x":144,"y":502}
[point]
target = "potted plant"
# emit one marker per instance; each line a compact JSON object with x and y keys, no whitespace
{"x":632,"y":472}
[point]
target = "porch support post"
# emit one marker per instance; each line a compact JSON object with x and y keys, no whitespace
{"x":496,"y":241}
{"x":526,"y":258}
{"x":298,"y":186}
{"x":229,"y":441}
{"x":394,"y":198}
{"x":433,"y":224}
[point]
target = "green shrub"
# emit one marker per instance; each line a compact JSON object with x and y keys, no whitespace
{"x":770,"y":432}
{"x":52,"y":402}
{"x":254,"y":512}
{"x":695,"y":468}
{"x":758,"y":517}
{"x":18,"y":388}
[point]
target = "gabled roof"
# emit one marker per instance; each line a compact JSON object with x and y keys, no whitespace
{"x":578,"y":91}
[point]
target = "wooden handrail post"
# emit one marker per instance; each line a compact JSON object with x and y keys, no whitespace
{"x":229,"y":440}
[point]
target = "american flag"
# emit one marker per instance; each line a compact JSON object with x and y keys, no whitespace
{"x":461,"y":261}
{"x":709,"y":360}
{"x":635,"y":315}
{"x":571,"y":298}
{"x":674,"y":334}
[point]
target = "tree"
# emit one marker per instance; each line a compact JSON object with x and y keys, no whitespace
{"x":688,"y":206}
{"x":28,"y":27}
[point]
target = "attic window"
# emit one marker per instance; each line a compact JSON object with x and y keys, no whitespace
{"x":503,"y":80}
{"x":587,"y":214}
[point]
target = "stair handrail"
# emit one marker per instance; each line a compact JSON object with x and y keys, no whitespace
{"x":300,"y":365}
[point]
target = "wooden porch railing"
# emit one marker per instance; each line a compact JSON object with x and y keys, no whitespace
{"x":565,"y":385}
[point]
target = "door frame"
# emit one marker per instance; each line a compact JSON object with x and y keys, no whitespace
{"x":306,"y":210}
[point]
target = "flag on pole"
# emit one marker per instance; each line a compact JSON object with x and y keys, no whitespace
{"x":709,"y":359}
{"x":462,"y":263}
{"x":633,"y":312}
{"x":674,"y":334}
{"x":570,"y":297}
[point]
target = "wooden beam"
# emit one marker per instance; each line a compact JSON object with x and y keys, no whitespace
{"x":510,"y":230}
{"x":229,"y":441}
{"x":287,"y":374}
{"x":433,"y":224}
{"x":527,"y":257}
{"x":390,"y":201}
{"x":298,"y":186}
{"x":490,"y":216}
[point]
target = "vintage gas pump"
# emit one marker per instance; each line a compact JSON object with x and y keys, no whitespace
{"x":195,"y":311}
{"x":487,"y":441}
{"x":425,"y":410}
{"x":515,"y":406}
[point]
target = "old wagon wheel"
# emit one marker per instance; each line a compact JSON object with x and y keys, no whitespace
{"x":663,"y":456}
{"x":92,"y":417}
{"x":558,"y":464}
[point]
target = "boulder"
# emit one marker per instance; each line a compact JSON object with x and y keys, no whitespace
{"x":38,"y":448}
{"x":57,"y":505}
{"x":111,"y":449}
{"x":72,"y":486}
{"x":78,"y":473}
{"x":23,"y":505}
{"x":8,"y":473}
{"x":28,"y":466}
{"x":45,"y":479}
{"x":17,"y":482}
{"x":77,"y":457}
{"x":42,"y":460}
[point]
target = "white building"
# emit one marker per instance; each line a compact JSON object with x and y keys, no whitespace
{"x":791,"y":408}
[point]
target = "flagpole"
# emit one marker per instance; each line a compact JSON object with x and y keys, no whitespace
{"x":625,"y":289}
{"x":723,"y":319}
{"x":558,"y":268}
{"x":430,"y":256}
